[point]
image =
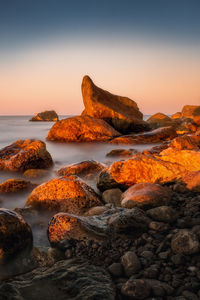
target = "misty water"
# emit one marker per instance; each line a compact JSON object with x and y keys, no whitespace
{"x":13,"y":128}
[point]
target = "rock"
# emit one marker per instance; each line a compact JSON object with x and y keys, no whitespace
{"x":130,"y":263}
{"x":112,"y":196}
{"x":185,"y":126}
{"x":177,"y":115}
{"x":47,"y":115}
{"x":190,"y":111}
{"x":185,"y":242}
{"x":139,"y":169}
{"x":16,"y":236}
{"x":25,"y":154}
{"x":116,"y":269}
{"x":145,"y":195}
{"x":185,"y":142}
{"x":121,"y":153}
{"x":97,"y":210}
{"x":67,"y":194}
{"x":192,"y":181}
{"x":159,"y":288}
{"x":84,"y":168}
{"x":36,"y":173}
{"x":121,"y":112}
{"x":65,"y":229}
{"x":15,"y":185}
{"x":162,"y":213}
{"x":158,"y":226}
{"x":81,"y":129}
{"x":136,"y":289}
{"x":67,"y":279}
{"x":160,"y":120}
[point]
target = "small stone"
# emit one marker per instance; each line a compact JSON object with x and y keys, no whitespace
{"x":163,"y":255}
{"x":158,"y":226}
{"x":185,"y":242}
{"x":147,"y":254}
{"x":130,"y":263}
{"x":115,"y":269}
{"x":136,"y":289}
{"x":112,"y":196}
{"x":163,"y":214}
{"x":178,"y":259}
{"x":189,"y":295}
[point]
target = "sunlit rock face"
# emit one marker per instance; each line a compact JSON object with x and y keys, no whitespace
{"x":145,"y":195}
{"x":160,"y":120}
{"x":121,"y":112}
{"x":48,"y":115}
{"x":25,"y":154}
{"x":190,"y":111}
{"x":67,"y":194}
{"x":185,"y":142}
{"x":15,"y":185}
{"x":192,"y":181}
{"x":81,"y":129}
{"x":176,"y":115}
{"x":15,"y":235}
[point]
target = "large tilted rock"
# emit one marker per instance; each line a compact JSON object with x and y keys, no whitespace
{"x":15,"y":236}
{"x":25,"y":154}
{"x":67,"y":194}
{"x":47,"y":115}
{"x":190,"y":111}
{"x":121,"y":112}
{"x":81,"y":129}
{"x":65,"y":229}
{"x":67,"y":279}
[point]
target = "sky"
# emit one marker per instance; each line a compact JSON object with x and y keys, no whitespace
{"x":147,"y":50}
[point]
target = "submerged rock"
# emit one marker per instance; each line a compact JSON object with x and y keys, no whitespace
{"x":36,"y":173}
{"x":25,"y":154}
{"x":121,"y":112}
{"x":81,"y":129}
{"x":67,"y":194}
{"x":67,"y":279}
{"x":47,"y":115}
{"x":15,"y":185}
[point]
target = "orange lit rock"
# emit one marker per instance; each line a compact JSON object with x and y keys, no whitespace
{"x":81,"y":129}
{"x":190,"y":111}
{"x":186,"y":126}
{"x":47,"y":115}
{"x":145,"y":195}
{"x":121,"y":112}
{"x":82,"y":169}
{"x":192,"y":181}
{"x":160,"y":120}
{"x":177,"y":115}
{"x":67,"y":194}
{"x":16,"y":235}
{"x":15,"y":185}
{"x":185,"y":142}
{"x":25,"y":154}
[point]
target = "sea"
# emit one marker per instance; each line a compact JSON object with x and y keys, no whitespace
{"x":13,"y":128}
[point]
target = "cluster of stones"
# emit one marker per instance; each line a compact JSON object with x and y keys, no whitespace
{"x":136,"y":237}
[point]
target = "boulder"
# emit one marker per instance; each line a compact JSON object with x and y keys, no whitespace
{"x":145,"y":195}
{"x":47,"y":115}
{"x":121,"y":112}
{"x":192,"y":181}
{"x":66,"y":279}
{"x":67,"y":194}
{"x":185,"y":142}
{"x":185,"y":242}
{"x":81,"y":129}
{"x":25,"y":154}
{"x":160,"y":120}
{"x":185,"y":126}
{"x":165,"y":214}
{"x":15,"y":185}
{"x":177,"y":115}
{"x":16,"y":236}
{"x":130,"y":263}
{"x":190,"y":111}
{"x":112,"y":196}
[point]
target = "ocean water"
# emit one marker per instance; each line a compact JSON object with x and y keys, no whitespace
{"x":13,"y":128}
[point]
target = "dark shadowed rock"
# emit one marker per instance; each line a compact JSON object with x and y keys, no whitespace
{"x":15,"y":185}
{"x":185,"y":242}
{"x":47,"y":115}
{"x":121,"y":112}
{"x":121,"y":153}
{"x":112,"y":196}
{"x":130,"y":263}
{"x":69,"y":279}
{"x":136,"y":289}
{"x":81,"y":129}
{"x":25,"y":154}
{"x":160,"y":120}
{"x":163,"y":213}
{"x":67,"y":194}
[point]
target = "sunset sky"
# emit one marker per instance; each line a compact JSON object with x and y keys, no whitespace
{"x":147,"y":50}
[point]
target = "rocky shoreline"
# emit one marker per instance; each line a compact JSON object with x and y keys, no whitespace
{"x":133,"y":234}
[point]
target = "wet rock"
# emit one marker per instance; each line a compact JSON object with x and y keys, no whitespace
{"x":112,"y":196}
{"x":136,"y":289}
{"x":130,"y":263}
{"x":162,"y":213}
{"x":115,"y":269}
{"x":121,"y":112}
{"x":35,"y":173}
{"x":190,"y":111}
{"x":185,"y":242}
{"x":81,"y":129}
{"x":67,"y":194}
{"x":145,"y":195}
{"x":160,"y":120}
{"x":16,"y":236}
{"x":106,"y":182}
{"x":97,"y":210}
{"x":68,"y":279}
{"x":15,"y":185}
{"x":47,"y":115}
{"x":121,"y":153}
{"x":25,"y":154}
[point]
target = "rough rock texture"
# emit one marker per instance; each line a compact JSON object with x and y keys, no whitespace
{"x":190,"y":111}
{"x":67,"y":279}
{"x":185,"y":142}
{"x":112,"y":196}
{"x":192,"y":181}
{"x":25,"y":154}
{"x":84,"y":168}
{"x":47,"y":115}
{"x":15,"y":235}
{"x":121,"y":112}
{"x":121,"y":153}
{"x":165,"y":214}
{"x":15,"y":185}
{"x":81,"y":129}
{"x":65,"y":229}
{"x":177,"y":115}
{"x":130,"y":263}
{"x":185,"y":242}
{"x":136,"y":289}
{"x":36,"y":173}
{"x":67,"y":194}
{"x":160,"y":120}
{"x":185,"y":126}
{"x":145,"y":195}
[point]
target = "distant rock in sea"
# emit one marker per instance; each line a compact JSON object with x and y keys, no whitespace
{"x":47,"y":115}
{"x":121,"y":112}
